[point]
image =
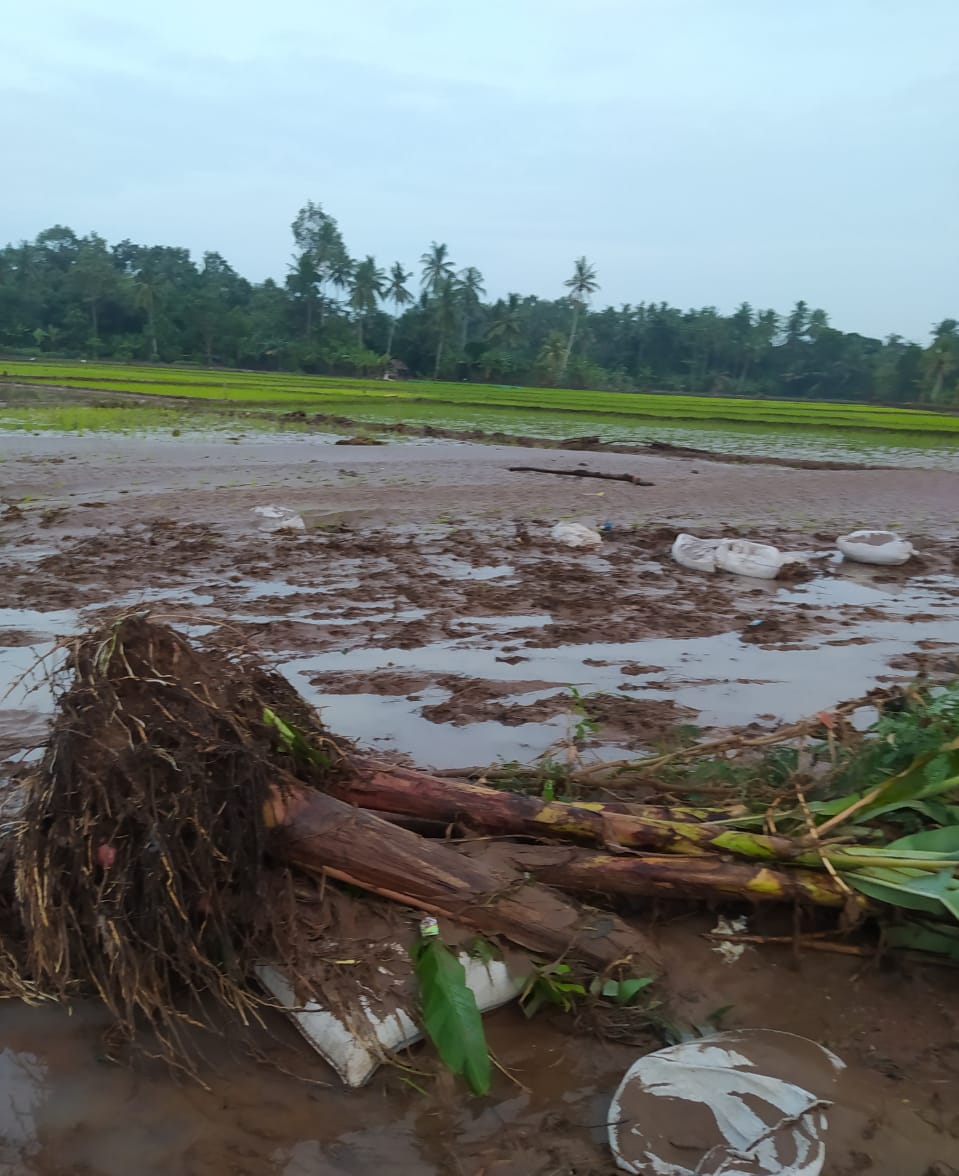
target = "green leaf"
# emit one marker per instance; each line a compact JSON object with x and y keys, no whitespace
{"x":938,"y":769}
{"x":911,"y":890}
{"x":937,"y":812}
{"x":293,"y":741}
{"x":950,"y":900}
{"x":896,"y":792}
{"x":450,"y":1016}
{"x":542,"y":988}
{"x":942,"y":842}
{"x":629,"y":989}
{"x":939,"y":938}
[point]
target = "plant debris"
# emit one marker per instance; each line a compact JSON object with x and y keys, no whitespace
{"x":190,"y":812}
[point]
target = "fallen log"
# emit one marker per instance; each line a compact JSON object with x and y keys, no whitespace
{"x":585,"y":872}
{"x":634,"y":479}
{"x":489,"y":810}
{"x":322,"y":835}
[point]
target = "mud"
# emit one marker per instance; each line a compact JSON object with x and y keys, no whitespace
{"x":62,"y":1111}
{"x":428,"y":610}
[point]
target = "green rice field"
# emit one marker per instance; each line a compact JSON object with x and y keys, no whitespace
{"x":214,"y":400}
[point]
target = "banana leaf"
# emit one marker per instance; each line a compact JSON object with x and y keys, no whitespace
{"x":904,"y":790}
{"x":939,"y":938}
{"x":942,"y":842}
{"x":914,"y":890}
{"x":450,"y":1015}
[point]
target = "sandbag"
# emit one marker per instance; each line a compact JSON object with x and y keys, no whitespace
{"x":884,"y":548}
{"x":742,"y":557}
{"x":699,"y":555}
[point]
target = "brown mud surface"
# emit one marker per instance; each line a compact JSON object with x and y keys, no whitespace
{"x":428,"y":610}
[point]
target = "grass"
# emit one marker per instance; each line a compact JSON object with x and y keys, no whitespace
{"x":391,"y":399}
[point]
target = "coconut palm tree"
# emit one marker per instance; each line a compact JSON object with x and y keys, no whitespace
{"x":506,"y":326}
{"x":339,"y":270}
{"x":397,"y":292}
{"x":469,"y":288}
{"x":553,"y":357}
{"x":581,"y":285}
{"x":302,"y":282}
{"x":145,"y":292}
{"x":365,"y":288}
{"x":941,"y":360}
{"x":437,"y":268}
{"x":445,"y":307}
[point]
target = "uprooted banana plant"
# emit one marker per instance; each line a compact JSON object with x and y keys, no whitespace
{"x":886,"y":826}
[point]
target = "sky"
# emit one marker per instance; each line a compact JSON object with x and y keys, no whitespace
{"x":699,"y":152}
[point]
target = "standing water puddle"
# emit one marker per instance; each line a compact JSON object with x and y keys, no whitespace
{"x":848,"y":629}
{"x":727,"y":680}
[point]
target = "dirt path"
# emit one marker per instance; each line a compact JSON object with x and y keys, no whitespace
{"x":440,"y":621}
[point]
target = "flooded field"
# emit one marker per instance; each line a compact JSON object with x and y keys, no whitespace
{"x":429,"y":613}
{"x":61,"y":411}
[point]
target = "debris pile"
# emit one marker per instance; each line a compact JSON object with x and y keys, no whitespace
{"x":192,"y":822}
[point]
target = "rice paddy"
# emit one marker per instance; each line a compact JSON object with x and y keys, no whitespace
{"x":117,"y":398}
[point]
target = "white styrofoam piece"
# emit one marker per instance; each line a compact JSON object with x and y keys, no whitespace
{"x":357,"y":1056}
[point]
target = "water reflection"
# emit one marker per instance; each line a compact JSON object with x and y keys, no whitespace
{"x":22,"y":1092}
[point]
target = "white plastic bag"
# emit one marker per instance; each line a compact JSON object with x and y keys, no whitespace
{"x":699,"y":555}
{"x":885,"y":548}
{"x":742,"y":557}
{"x":576,"y":535}
{"x":746,"y":1103}
{"x":278,"y":518}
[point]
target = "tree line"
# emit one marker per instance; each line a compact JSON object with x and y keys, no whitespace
{"x":76,"y":296}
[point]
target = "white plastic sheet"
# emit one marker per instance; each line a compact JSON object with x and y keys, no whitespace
{"x":745,"y":1103}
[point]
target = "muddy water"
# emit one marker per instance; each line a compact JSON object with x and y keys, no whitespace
{"x":723,"y":679}
{"x":794,"y":649}
{"x":62,"y":1110}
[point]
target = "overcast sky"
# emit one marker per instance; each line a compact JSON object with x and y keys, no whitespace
{"x":698,"y":151}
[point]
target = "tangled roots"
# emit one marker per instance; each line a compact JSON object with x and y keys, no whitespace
{"x":140,"y":867}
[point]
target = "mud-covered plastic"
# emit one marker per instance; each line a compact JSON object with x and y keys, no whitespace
{"x":356,"y":1044}
{"x":278,"y":518}
{"x":742,"y":557}
{"x":698,"y":555}
{"x":884,"y":548}
{"x":753,"y":1101}
{"x":576,"y":535}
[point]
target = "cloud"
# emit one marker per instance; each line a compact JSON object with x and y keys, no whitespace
{"x":697,"y":152}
